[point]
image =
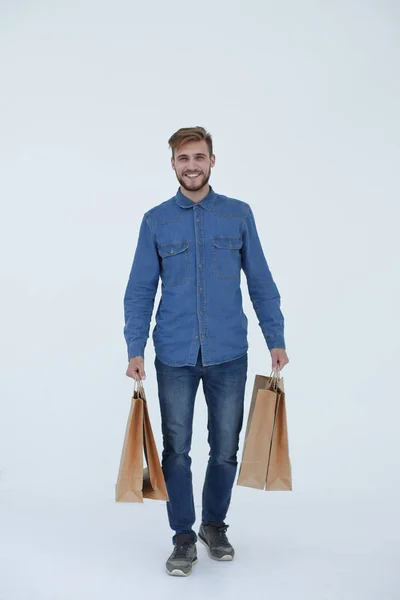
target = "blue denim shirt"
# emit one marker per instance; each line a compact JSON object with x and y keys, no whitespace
{"x":199,"y":250}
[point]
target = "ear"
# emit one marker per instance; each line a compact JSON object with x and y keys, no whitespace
{"x":212,"y":159}
{"x":173,"y":163}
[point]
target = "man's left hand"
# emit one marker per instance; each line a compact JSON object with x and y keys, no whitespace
{"x":279,"y":358}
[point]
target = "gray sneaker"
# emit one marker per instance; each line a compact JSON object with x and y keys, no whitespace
{"x":183,"y":557}
{"x":213,"y":536}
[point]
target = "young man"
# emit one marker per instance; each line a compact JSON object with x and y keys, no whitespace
{"x":197,"y":242}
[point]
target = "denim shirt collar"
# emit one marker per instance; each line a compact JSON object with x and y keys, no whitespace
{"x":185,"y":202}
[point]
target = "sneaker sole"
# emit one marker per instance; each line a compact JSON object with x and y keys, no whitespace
{"x":226,"y":557}
{"x":179,"y":573}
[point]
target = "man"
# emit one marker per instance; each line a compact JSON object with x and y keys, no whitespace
{"x":197,"y":242}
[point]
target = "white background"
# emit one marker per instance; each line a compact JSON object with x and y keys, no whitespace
{"x":302,"y":100}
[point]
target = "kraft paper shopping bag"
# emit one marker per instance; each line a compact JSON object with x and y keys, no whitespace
{"x":265,"y":461}
{"x":136,"y":482}
{"x":279,"y":475}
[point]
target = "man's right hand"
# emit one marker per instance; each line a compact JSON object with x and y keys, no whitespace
{"x":136,"y":368}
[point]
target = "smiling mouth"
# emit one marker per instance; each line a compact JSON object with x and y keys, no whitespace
{"x":193,"y":176}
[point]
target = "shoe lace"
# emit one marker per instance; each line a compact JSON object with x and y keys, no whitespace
{"x":221,"y":531}
{"x":181,"y":550}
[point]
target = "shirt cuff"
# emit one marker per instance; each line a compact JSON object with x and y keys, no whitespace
{"x":278,"y":341}
{"x":135,"y":349}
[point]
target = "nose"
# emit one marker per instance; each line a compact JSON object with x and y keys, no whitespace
{"x":191,"y":166}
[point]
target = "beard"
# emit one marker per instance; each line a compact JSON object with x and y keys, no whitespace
{"x":196,"y":184}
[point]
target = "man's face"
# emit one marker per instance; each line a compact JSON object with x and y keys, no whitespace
{"x":192,"y":165}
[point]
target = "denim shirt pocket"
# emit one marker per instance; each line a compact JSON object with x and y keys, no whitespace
{"x":175,"y":268}
{"x":226,"y":257}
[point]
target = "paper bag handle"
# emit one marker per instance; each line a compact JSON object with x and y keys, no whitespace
{"x":138,"y":387}
{"x":275,"y":377}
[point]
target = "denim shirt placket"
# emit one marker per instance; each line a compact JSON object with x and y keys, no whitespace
{"x":198,"y":217}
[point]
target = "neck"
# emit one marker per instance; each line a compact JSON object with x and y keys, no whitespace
{"x":196,"y":196}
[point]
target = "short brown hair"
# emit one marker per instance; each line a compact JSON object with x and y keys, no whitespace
{"x":187,"y":134}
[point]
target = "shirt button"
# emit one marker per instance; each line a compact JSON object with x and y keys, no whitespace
{"x":199,"y":243}
{"x":200,"y":265}
{"x":197,"y":337}
{"x":171,"y":251}
{"x":201,"y":312}
{"x":198,"y":220}
{"x":200,"y":289}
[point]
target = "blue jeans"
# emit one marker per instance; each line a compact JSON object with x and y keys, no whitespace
{"x":224,"y":389}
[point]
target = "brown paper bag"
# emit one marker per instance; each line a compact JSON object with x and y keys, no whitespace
{"x":265,"y":462}
{"x":135,"y":482}
{"x":279,"y":475}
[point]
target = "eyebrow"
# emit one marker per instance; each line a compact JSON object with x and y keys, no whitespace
{"x":186,"y":155}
